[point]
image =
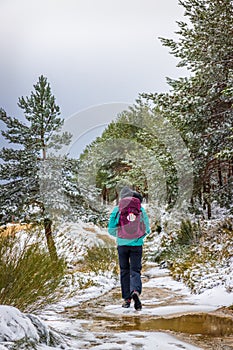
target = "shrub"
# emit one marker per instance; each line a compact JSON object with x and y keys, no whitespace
{"x":101,"y":258}
{"x":210,"y":263}
{"x":29,"y":279}
{"x":176,"y":244}
{"x":189,"y":233}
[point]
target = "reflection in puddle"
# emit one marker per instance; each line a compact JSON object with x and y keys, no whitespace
{"x":200,"y":323}
{"x":204,"y":324}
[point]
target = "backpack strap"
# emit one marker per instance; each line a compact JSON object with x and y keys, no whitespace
{"x":117,"y":216}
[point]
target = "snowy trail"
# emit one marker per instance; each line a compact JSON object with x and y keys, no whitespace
{"x":171,"y":317}
{"x":169,"y":310}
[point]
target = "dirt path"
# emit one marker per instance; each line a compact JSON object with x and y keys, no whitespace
{"x":164,"y":310}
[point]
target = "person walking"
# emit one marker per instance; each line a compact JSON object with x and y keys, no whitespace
{"x":129,"y":223}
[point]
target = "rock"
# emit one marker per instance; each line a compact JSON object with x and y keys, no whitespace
{"x":16,"y":326}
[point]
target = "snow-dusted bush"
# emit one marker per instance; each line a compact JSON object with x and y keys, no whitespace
{"x":200,"y":254}
{"x":25,"y":331}
{"x":29,"y":279}
{"x":101,"y":258}
{"x":210,"y":262}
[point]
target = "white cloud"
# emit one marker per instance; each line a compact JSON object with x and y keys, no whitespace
{"x":105,"y":50}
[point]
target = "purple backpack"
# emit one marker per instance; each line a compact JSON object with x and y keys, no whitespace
{"x":131,"y":224}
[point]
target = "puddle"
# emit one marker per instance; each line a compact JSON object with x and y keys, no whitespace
{"x":206,"y":324}
{"x":199,"y":327}
{"x":203,"y":324}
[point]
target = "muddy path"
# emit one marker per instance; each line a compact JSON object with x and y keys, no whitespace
{"x":164,"y":310}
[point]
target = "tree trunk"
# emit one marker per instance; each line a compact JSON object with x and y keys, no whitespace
{"x":49,"y":238}
{"x":230,"y":170}
{"x":220,"y":182}
{"x":200,"y":196}
{"x":209,"y":213}
{"x":206,"y":193}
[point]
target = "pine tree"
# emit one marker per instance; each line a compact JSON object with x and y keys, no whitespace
{"x":201,"y":106}
{"x":20,"y":189}
{"x":133,"y":150}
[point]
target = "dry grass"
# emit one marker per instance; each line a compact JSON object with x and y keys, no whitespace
{"x":90,"y":229}
{"x":29,"y":279}
{"x":12,"y":229}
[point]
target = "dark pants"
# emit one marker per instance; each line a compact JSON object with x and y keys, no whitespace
{"x":130,"y":260}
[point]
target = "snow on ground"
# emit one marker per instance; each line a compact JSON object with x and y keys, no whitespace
{"x":145,"y":340}
{"x":160,"y":311}
{"x":131,"y":340}
{"x":74,"y":240}
{"x":17,"y":327}
{"x":103,"y":284}
{"x":127,"y":340}
{"x":215,"y":297}
{"x":208,"y":301}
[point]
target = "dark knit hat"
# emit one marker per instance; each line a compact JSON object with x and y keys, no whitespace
{"x":138,"y":195}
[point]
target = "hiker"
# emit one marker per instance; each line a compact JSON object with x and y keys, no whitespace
{"x":130,"y":224}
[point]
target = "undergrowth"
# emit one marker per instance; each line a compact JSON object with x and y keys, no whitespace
{"x":29,"y":279}
{"x":202,"y":257}
{"x":176,"y":245}
{"x":101,"y":258}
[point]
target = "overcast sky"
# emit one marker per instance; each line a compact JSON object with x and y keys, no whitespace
{"x":92,"y":51}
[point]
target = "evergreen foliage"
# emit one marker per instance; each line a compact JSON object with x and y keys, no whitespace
{"x":32,"y":139}
{"x":22,"y":196}
{"x":200,"y":106}
{"x":139,"y":149}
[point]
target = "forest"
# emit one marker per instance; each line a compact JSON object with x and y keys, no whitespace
{"x":175,"y":148}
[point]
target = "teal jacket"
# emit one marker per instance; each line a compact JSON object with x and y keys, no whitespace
{"x":113,"y":224}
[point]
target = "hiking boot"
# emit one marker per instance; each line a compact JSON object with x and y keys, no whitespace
{"x":137,"y":302}
{"x":126,"y":303}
